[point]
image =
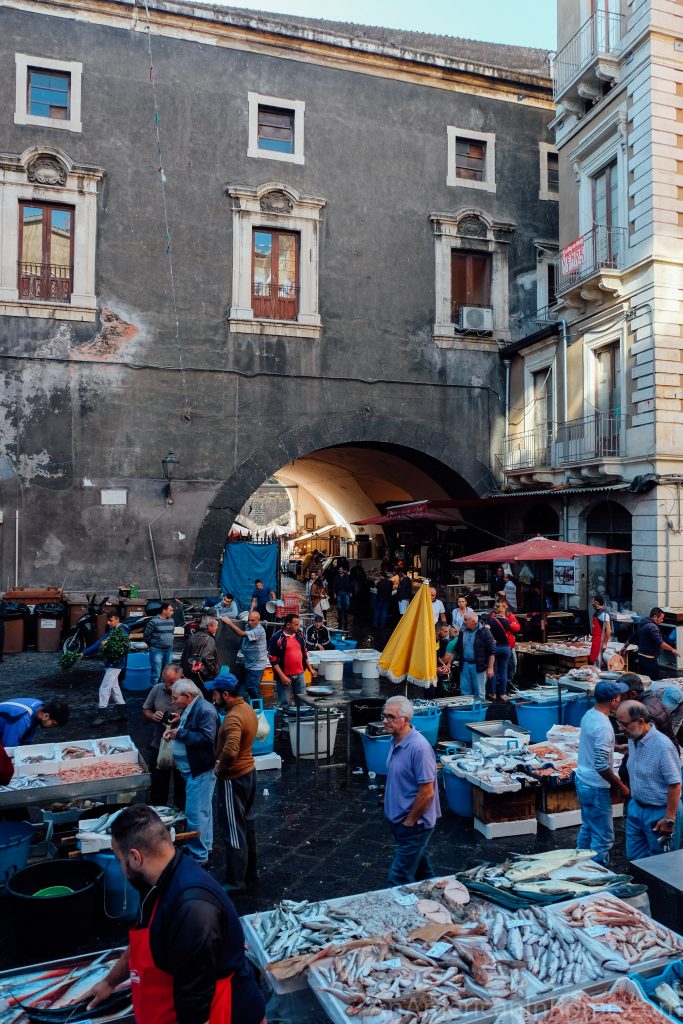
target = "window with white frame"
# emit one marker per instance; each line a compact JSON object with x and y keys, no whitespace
{"x":471,"y":159}
{"x":275,"y":261}
{"x":48,"y":232}
{"x":546,"y":270}
{"x":471,"y":278}
{"x":549,"y":172}
{"x":48,"y":92}
{"x":276,"y":128}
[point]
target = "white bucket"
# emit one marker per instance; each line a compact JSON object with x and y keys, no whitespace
{"x":334,"y":671}
{"x":321,"y":666}
{"x":307,"y":735}
{"x":370,"y":670}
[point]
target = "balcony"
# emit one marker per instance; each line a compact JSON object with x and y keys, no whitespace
{"x":590,"y":444}
{"x":590,"y":268}
{"x":528,"y":325}
{"x":589,"y":60}
{"x":599,"y":436}
{"x":45,"y":282}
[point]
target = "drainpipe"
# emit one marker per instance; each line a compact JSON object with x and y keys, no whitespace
{"x":16,"y":547}
{"x":506,"y":364}
{"x":565,"y":400}
{"x":565,"y":535}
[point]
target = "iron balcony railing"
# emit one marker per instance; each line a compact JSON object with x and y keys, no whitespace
{"x":521,"y":328}
{"x":601,"y":34}
{"x":601,"y":248}
{"x":597,"y":436}
{"x":273,"y":302}
{"x":45,"y":282}
{"x":529,"y":450}
{"x":593,"y":437}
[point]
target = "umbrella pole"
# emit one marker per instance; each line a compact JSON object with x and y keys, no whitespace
{"x":544,"y":623}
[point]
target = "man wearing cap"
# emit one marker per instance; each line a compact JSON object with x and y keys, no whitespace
{"x":254,"y":652}
{"x":595,"y":777}
{"x":653,"y":822}
{"x":318,"y":635}
{"x":652,"y":700}
{"x":236,"y":774}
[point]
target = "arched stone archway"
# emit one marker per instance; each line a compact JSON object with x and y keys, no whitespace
{"x":468,"y":476}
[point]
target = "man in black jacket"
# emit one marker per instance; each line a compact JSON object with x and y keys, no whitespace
{"x":199,"y":659}
{"x":318,"y":635}
{"x":289,"y":658}
{"x":651,"y":643}
{"x":185,"y":958}
{"x":475,"y":650}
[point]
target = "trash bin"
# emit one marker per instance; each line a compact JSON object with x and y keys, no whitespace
{"x":14,"y":614}
{"x":49,"y":619}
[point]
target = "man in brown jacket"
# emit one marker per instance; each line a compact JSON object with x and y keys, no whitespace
{"x":236,"y":786}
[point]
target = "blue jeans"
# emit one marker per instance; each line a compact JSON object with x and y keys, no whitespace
{"x":499,"y":684}
{"x":411,"y":861}
{"x":251,"y":684}
{"x":379,"y":618}
{"x":472,"y":683}
{"x":641,"y":841}
{"x":158,"y":661}
{"x":596,"y":832}
{"x":198,"y":799}
{"x":284,"y":693}
{"x":343,"y":602}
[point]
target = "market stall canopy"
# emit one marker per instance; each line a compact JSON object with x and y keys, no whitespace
{"x":415,"y":511}
{"x":539,"y":549}
{"x":410,"y":654}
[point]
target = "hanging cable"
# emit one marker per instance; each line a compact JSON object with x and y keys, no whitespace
{"x":169,"y":245}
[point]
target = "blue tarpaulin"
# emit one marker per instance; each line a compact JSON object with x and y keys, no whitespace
{"x":243,"y":563}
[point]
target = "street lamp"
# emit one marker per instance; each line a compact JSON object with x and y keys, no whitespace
{"x":168,"y":464}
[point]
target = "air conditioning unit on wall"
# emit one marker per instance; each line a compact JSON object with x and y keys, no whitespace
{"x":475,"y":318}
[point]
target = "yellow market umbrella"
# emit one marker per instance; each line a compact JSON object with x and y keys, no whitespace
{"x":410,"y":655}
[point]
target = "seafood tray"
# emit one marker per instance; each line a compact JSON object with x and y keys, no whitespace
{"x":51,"y":790}
{"x":623,"y":932}
{"x":398,"y":905}
{"x":51,"y":758}
{"x":21,"y":976}
{"x":622,"y":1003}
{"x":668,"y":999}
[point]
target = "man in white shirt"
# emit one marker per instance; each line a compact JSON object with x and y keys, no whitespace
{"x":595,"y":776}
{"x":438,"y":609}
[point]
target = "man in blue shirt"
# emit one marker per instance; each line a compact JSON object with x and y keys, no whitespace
{"x":254,"y":652}
{"x":20,"y":718}
{"x":260,"y":598}
{"x":411,"y":797}
{"x":650,"y":643}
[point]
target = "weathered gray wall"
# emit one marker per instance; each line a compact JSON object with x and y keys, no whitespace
{"x":376,"y":150}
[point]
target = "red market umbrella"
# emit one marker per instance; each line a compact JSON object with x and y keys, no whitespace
{"x":538,"y":549}
{"x":414,"y":511}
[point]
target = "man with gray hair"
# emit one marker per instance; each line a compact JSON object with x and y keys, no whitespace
{"x":199,"y":659}
{"x":475,"y":652}
{"x":411,"y":797}
{"x":193,"y":730}
{"x":653,"y":824}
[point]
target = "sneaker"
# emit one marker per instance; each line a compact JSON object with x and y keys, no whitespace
{"x":100,"y":718}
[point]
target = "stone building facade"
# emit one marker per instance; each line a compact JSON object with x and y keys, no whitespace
{"x":596,"y":407}
{"x":248,"y":238}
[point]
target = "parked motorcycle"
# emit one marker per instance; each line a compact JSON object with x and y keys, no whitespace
{"x":84,"y":631}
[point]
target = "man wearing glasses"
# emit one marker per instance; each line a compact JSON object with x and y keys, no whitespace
{"x":411,"y":797}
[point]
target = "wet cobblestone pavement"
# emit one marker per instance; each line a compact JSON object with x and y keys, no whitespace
{"x":315,"y":842}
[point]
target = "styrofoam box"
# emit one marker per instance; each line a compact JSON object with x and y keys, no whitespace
{"x":268,"y":761}
{"x":500,"y":829}
{"x":128,"y":756}
{"x":560,"y":819}
{"x":18,"y":754}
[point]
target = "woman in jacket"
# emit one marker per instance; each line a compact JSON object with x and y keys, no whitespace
{"x":503,"y":625}
{"x":194,"y":752}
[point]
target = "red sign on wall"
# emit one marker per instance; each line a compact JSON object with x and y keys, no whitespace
{"x":573,"y":257}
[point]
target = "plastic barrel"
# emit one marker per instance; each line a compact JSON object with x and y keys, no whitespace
{"x":370,"y":670}
{"x":376,"y":750}
{"x":537,"y":719}
{"x":15,"y":839}
{"x":52,"y":927}
{"x":138,"y":671}
{"x":427,"y":721}
{"x":334,"y":671}
{"x":307,"y":735}
{"x":121,"y":900}
{"x":574,"y":710}
{"x":458,"y":794}
{"x":457,"y":719}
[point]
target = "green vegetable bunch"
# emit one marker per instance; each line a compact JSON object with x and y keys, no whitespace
{"x":69,"y":659}
{"x":116,"y":645}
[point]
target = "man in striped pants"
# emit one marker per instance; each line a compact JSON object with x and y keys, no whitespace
{"x":236,"y":786}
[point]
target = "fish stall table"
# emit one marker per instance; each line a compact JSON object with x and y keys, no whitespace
{"x":487,"y":959}
{"x":106,"y":767}
{"x":37,"y":983}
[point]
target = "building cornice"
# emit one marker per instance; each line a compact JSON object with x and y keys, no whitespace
{"x":259,"y":34}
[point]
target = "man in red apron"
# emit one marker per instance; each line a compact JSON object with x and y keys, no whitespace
{"x":601,"y":631}
{"x":185,"y":958}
